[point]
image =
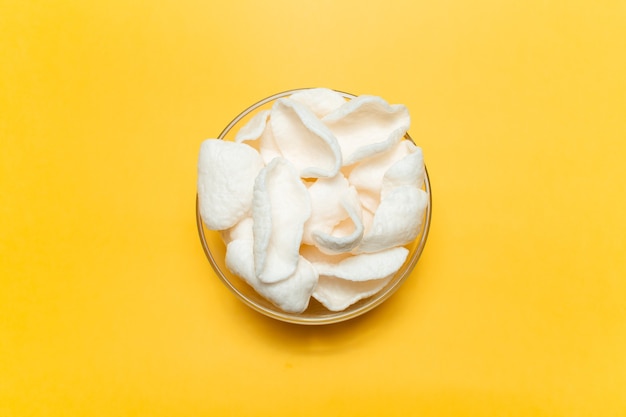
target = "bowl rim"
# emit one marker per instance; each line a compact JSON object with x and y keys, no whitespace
{"x":333,"y":317}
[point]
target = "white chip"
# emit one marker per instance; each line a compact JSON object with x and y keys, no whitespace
{"x":343,"y":283}
{"x":403,"y":164}
{"x":320,"y":101}
{"x":366,"y":266}
{"x":397,"y":220}
{"x":242,"y":230}
{"x":338,"y":294}
{"x":226,"y":175}
{"x":407,"y":171}
{"x":368,"y":219}
{"x":267,"y":145}
{"x":313,"y":254}
{"x":369,"y":200}
{"x":258,"y":134}
{"x":368,"y":175}
{"x":344,"y":237}
{"x":280,"y":206}
{"x":254,"y":128}
{"x":326,"y":208}
{"x":291,"y":294}
{"x":304,"y":140}
{"x":367,"y":125}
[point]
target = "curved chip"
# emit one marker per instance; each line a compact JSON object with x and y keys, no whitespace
{"x":280,"y":207}
{"x":397,"y":220}
{"x":304,"y":140}
{"x":242,"y":230}
{"x":338,"y":294}
{"x":407,"y":171}
{"x":258,"y":134}
{"x":369,"y":200}
{"x":403,"y":164}
{"x":254,"y":128}
{"x":351,"y":279}
{"x":267,"y":145}
{"x":313,"y":254}
{"x":366,"y":266}
{"x":367,"y":125}
{"x":226,"y":175}
{"x":326,"y":208}
{"x":344,"y":237}
{"x":368,"y":175}
{"x":320,"y":101}
{"x":368,"y":219}
{"x":291,"y":294}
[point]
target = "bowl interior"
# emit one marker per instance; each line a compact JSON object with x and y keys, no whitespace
{"x":215,"y":250}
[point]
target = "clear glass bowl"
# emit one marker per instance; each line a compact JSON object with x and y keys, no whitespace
{"x":315,"y":314}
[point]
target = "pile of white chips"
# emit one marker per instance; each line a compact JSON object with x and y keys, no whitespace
{"x":315,"y":198}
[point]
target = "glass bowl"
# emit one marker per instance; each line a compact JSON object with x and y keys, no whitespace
{"x":315,"y":314}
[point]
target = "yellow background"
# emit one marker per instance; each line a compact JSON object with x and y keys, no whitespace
{"x":108,"y":306}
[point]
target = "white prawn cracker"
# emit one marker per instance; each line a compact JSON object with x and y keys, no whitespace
{"x":367,"y":125}
{"x":254,"y":128}
{"x":242,"y":230}
{"x":338,"y":294}
{"x":344,"y":283}
{"x":291,"y":294}
{"x":397,"y":220}
{"x":403,"y":164}
{"x":408,"y":171}
{"x":226,"y":176}
{"x":326,"y":208}
{"x":321,"y":101}
{"x":304,"y":140}
{"x":280,"y":207}
{"x":365,"y":267}
{"x":313,"y":255}
{"x":345,"y":236}
{"x":395,"y":177}
{"x":258,"y":134}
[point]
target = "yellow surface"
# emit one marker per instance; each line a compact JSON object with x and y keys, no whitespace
{"x":108,"y":306}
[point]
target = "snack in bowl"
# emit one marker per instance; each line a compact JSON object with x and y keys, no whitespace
{"x":321,"y":203}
